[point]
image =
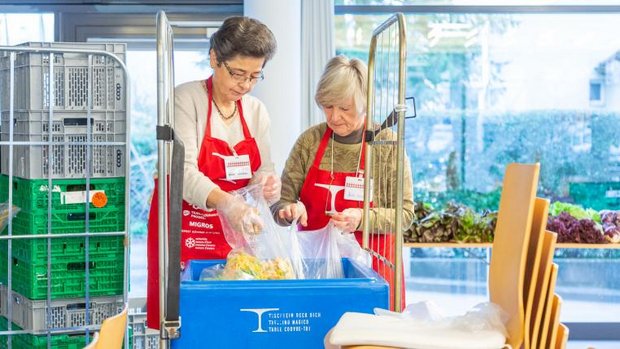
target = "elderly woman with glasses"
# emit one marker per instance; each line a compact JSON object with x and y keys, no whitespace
{"x":226,"y":137}
{"x":323,"y":177}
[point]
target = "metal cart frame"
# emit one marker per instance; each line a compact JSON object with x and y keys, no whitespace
{"x":390,"y":65}
{"x":89,"y":143}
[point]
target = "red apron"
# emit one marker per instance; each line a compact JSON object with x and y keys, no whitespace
{"x":324,"y":191}
{"x":201,"y":230}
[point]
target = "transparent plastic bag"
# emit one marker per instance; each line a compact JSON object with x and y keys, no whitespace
{"x":422,"y":325}
{"x":484,"y":316}
{"x":351,"y":249}
{"x":319,"y":249}
{"x":272,"y":253}
{"x":285,"y":252}
{"x":4,"y":214}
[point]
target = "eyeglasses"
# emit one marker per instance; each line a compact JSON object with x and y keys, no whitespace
{"x":242,"y":78}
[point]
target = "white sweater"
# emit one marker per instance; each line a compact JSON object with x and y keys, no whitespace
{"x":191,"y":106}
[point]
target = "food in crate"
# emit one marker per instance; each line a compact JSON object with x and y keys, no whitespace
{"x":243,"y":266}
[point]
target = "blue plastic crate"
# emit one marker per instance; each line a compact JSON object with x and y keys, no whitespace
{"x":272,"y":314}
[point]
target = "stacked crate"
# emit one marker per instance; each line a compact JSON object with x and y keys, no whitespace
{"x":141,"y":337}
{"x":70,"y":186}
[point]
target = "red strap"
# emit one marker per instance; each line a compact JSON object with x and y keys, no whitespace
{"x":209,"y":86}
{"x":323,"y":145}
{"x":246,"y":130}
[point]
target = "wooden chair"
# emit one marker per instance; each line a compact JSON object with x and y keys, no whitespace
{"x":507,"y":270}
{"x":542,"y":287}
{"x":561,"y":338}
{"x":534,"y":253}
{"x":546,"y":325}
{"x":555,"y":322}
{"x":510,"y":246}
{"x":112,"y":332}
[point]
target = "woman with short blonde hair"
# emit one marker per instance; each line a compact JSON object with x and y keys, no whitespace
{"x":323,"y":177}
{"x":343,"y":78}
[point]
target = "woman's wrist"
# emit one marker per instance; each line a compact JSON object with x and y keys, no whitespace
{"x":359,"y":225}
{"x":216,"y":198}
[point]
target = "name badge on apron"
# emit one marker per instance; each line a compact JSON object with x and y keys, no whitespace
{"x":237,"y":167}
{"x":354,"y":188}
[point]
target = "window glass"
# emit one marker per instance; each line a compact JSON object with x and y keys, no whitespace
{"x":497,"y":88}
{"x":16,"y":28}
{"x":476,"y":2}
{"x":142,"y":65}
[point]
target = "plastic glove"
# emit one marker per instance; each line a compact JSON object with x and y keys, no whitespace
{"x":296,"y":211}
{"x":240,"y":216}
{"x":347,"y":220}
{"x":271,"y":188}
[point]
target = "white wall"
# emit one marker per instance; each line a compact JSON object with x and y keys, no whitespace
{"x":281,"y":89}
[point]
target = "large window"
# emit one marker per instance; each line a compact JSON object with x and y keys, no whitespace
{"x":17,"y":28}
{"x":494,"y":87}
{"x":189,"y":65}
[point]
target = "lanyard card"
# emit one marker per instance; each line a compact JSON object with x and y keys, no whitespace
{"x":237,"y":167}
{"x":354,"y":188}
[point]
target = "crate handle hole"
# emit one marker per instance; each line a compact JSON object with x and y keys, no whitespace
{"x":79,"y":187}
{"x":81,"y":216}
{"x":76,"y":306}
{"x":77,"y":121}
{"x":80,"y":266}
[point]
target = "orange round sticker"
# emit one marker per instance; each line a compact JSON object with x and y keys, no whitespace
{"x":99,"y":199}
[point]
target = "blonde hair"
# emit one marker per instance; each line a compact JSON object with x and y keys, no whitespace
{"x":343,"y":78}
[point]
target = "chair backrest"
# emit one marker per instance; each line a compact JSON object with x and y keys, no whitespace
{"x":562,"y":337}
{"x":546,"y":325}
{"x":113,"y":331}
{"x":542,"y":285}
{"x":510,"y":245}
{"x":555,"y":321}
{"x":534,"y":251}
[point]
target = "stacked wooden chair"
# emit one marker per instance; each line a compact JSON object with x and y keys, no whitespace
{"x":521,"y":273}
{"x":542,"y":305}
{"x":112,"y":332}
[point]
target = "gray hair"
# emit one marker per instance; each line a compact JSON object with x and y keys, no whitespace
{"x":343,"y":78}
{"x":243,"y":36}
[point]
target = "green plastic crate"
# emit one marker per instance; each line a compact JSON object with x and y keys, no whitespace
{"x":66,"y":249}
{"x":68,"y":214}
{"x":32,"y":194}
{"x":596,"y":195}
{"x":69,"y":221}
{"x":68,"y":275}
{"x":28,"y":341}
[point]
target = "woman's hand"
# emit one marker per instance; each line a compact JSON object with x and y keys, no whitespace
{"x":348,"y":220}
{"x":240,"y":216}
{"x":269,"y":185}
{"x":271,"y":188}
{"x":296,"y":211}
